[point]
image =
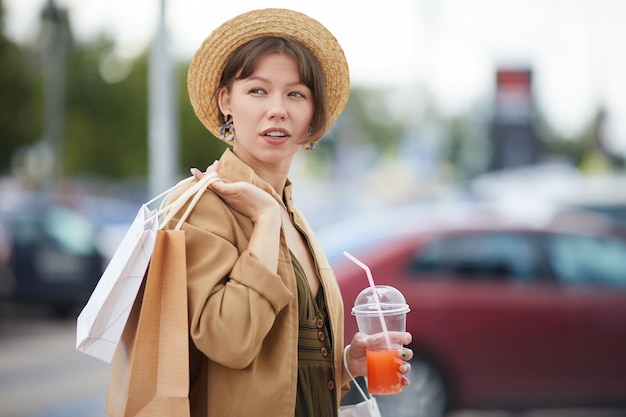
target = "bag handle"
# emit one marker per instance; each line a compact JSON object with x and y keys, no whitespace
{"x":164,"y":193}
{"x":162,"y":209}
{"x":345,"y":365}
{"x":196,"y":191}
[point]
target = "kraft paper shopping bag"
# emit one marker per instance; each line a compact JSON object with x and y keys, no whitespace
{"x":150,"y":372}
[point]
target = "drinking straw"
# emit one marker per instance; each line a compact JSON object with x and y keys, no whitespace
{"x":376,"y":299}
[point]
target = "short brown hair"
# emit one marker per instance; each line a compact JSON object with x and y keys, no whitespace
{"x":244,"y":61}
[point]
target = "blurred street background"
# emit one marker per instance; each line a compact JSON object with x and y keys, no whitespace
{"x":471,"y":117}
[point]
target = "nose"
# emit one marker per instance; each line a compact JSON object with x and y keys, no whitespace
{"x":277,"y":109}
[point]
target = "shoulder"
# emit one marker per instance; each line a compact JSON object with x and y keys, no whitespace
{"x":207,"y":206}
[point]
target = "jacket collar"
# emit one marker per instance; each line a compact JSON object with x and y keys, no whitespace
{"x":236,"y":170}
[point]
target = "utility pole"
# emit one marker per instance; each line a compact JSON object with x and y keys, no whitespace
{"x":55,"y":38}
{"x":163,"y":112}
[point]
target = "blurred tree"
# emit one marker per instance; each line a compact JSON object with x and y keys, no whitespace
{"x":367,"y":122}
{"x":107,"y":116}
{"x":199,"y":148}
{"x":469,"y":148}
{"x":572,"y":147}
{"x":379,"y":126}
{"x":20,"y":120}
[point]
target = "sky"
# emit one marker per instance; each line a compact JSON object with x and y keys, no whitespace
{"x":449,"y":48}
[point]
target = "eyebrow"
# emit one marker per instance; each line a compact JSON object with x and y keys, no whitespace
{"x":265,"y":80}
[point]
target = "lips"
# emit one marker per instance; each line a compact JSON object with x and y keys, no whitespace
{"x":275,"y":136}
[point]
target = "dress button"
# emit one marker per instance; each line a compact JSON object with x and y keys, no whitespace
{"x":324,"y":352}
{"x":321,"y":336}
{"x":331,"y":385}
{"x":319,"y":323}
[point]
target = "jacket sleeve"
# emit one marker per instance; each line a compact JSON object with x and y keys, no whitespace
{"x":233,"y":298}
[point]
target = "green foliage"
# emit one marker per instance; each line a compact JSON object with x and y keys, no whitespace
{"x":107,"y":128}
{"x":371,"y":112}
{"x":571,"y":148}
{"x":199,"y":148}
{"x":106,"y":125}
{"x":20,"y":114}
{"x":367,"y":121}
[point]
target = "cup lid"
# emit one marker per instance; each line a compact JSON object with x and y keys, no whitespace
{"x":391,"y":302}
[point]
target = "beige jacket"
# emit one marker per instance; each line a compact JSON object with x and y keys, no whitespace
{"x":243,"y":317}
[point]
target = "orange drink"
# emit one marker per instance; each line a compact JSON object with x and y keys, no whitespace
{"x":383,"y":373}
{"x":380,"y":310}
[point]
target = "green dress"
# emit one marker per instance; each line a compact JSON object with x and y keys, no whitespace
{"x":316,"y":377}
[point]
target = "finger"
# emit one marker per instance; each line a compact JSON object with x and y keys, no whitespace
{"x":406,"y":354}
{"x":197,"y":174}
{"x":359,"y":342}
{"x":405,"y":368}
{"x":403,"y":338}
{"x":214,"y":166}
{"x":214,"y":179}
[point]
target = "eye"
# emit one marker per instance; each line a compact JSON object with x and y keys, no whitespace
{"x":296,"y":94}
{"x":257,"y":91}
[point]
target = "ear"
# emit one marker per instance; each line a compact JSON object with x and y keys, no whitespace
{"x":223,"y":101}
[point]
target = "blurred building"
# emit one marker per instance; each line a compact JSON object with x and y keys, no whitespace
{"x":512,"y":132}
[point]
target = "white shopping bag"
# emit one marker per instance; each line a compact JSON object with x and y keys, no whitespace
{"x":102,"y":320}
{"x":366,"y":408}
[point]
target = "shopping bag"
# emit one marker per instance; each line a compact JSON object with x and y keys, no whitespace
{"x":366,"y":408}
{"x":150,"y":370}
{"x":101,"y":321}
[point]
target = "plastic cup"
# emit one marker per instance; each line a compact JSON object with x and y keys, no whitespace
{"x":383,"y":358}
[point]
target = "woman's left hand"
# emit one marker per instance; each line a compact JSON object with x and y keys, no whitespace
{"x":247,"y":199}
{"x":357,"y":359}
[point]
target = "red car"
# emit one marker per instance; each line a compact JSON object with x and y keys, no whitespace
{"x":507,"y":311}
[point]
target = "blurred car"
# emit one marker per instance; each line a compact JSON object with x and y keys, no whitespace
{"x":557,"y":183}
{"x":50,"y":255}
{"x":508,"y":310}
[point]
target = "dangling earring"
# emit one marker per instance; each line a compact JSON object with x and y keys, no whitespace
{"x":227,"y":131}
{"x":311,"y":145}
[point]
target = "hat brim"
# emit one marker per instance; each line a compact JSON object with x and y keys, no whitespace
{"x":210,"y":59}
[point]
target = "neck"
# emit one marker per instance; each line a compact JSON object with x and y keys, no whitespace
{"x":273,"y":174}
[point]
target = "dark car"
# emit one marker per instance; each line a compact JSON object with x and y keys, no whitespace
{"x":50,"y":256}
{"x":510,"y":311}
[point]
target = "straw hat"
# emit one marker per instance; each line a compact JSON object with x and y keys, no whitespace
{"x":208,"y":63}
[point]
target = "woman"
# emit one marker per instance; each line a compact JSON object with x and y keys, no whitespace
{"x":265,"y":311}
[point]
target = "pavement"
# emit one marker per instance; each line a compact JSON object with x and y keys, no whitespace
{"x":43,"y":375}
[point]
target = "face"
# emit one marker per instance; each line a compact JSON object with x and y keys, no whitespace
{"x":272,"y":112}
